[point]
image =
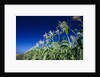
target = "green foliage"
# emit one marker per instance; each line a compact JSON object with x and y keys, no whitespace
{"x":66,"y":30}
{"x":58,"y":51}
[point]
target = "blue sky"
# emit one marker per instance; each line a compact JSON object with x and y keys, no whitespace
{"x":30,"y":29}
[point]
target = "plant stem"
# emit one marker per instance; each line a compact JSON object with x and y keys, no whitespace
{"x":68,"y":39}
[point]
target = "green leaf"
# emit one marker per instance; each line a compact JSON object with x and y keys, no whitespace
{"x":66,"y":30}
{"x":45,"y":55}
